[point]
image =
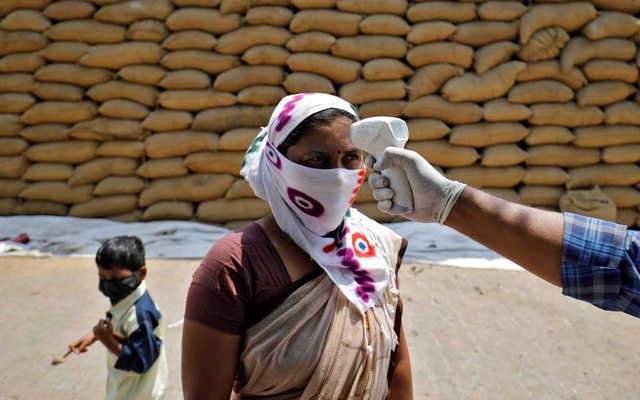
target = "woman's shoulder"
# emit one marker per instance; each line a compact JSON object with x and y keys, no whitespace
{"x":232,"y":246}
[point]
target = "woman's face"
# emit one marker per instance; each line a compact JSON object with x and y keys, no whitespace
{"x":327,"y":147}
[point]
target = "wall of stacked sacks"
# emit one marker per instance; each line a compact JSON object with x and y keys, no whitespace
{"x":142,"y":110}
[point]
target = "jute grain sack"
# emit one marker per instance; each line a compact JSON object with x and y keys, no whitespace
{"x":362,"y":91}
{"x":21,"y":42}
{"x":133,"y":216}
{"x":570,"y":17}
{"x":116,"y":56}
{"x":503,"y":155}
{"x":625,"y":112}
{"x":442,"y":11}
{"x":338,"y":70}
{"x":603,"y":93}
{"x":167,"y":120}
{"x":121,"y":148}
{"x":87,"y":31}
{"x":334,"y":22}
{"x":431,"y":31}
{"x":29,"y":20}
{"x":631,"y":7}
{"x":226,"y":118}
{"x":541,"y":196}
{"x":426,"y":129}
{"x":21,"y":62}
{"x":580,"y":50}
{"x":611,"y":24}
{"x":226,"y":162}
{"x":384,"y":24}
{"x":433,"y":106}
{"x":194,"y":188}
{"x":548,"y":135}
{"x":545,"y":44}
{"x":610,"y":70}
{"x":545,"y":176}
{"x":624,"y":197}
{"x":10,"y":125}
{"x":15,"y":103}
{"x":244,"y":76}
{"x":304,"y":4}
{"x":197,"y":3}
{"x":223,"y":210}
{"x":202,"y":19}
{"x":501,"y":10}
{"x":540,"y":91}
{"x":626,"y":216}
{"x":383,"y":69}
{"x":610,"y":135}
{"x":238,"y":139}
{"x":390,"y":108}
{"x":163,"y":168}
{"x":562,"y":155}
{"x":105,"y":129}
{"x":41,"y":208}
{"x":480,"y":33}
{"x":12,"y":187}
{"x":99,"y":168}
{"x":442,"y":154}
{"x":195,"y":100}
{"x":128,"y":12}
{"x":485,"y":134}
{"x":261,"y":95}
{"x":440,"y":52}
{"x":171,"y":144}
{"x":500,"y":110}
{"x":170,"y":210}
{"x":69,"y":10}
{"x":144,"y":94}
{"x":113,"y":185}
{"x":629,"y":153}
{"x":206,"y":61}
{"x":301,"y":82}
{"x":239,"y":190}
{"x":64,"y":112}
{"x":430,"y":78}
{"x":243,"y":38}
{"x":125,"y":109}
{"x":269,"y":15}
{"x":604,"y":175}
{"x":487,"y":177}
{"x":19,"y":82}
{"x":397,"y":7}
{"x":58,"y":91}
{"x":565,"y":114}
{"x":59,"y":192}
{"x":7,"y":206}
{"x":190,"y":40}
{"x":147,"y":30}
{"x":494,"y":83}
{"x":100,"y":207}
{"x":493,"y":54}
{"x":13,"y":166}
{"x":551,"y":70}
{"x":10,"y":5}
{"x":44,"y":133}
{"x":64,"y":51}
{"x":143,"y":74}
{"x":234,"y":6}
{"x":12,"y":146}
{"x":186,"y":79}
{"x":72,"y":74}
{"x":590,"y":202}
{"x":266,"y":54}
{"x":313,"y":41}
{"x":368,"y":47}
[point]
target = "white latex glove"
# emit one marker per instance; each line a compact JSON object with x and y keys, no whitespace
{"x":433,"y":194}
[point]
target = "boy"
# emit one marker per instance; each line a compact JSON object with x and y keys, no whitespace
{"x":132,"y":329}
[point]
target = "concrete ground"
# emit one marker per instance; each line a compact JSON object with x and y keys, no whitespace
{"x":473,"y":333}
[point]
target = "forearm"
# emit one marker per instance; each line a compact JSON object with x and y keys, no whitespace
{"x":112,"y":345}
{"x":532,"y":238}
{"x":402,"y":381}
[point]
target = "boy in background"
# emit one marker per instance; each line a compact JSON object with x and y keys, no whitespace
{"x":132,"y":330}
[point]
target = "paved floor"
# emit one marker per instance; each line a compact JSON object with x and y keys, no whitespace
{"x":473,"y":334}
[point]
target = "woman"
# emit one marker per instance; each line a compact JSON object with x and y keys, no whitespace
{"x":304,"y":302}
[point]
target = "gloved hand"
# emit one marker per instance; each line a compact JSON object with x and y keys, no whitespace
{"x":433,"y":194}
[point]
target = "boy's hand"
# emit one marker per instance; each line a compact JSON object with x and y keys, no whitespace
{"x":103,"y":330}
{"x":81,"y":345}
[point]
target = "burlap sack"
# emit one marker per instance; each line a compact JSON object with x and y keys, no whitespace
{"x":480,"y":33}
{"x":11,"y":187}
{"x":548,"y":135}
{"x":545,"y":176}
{"x":226,"y":118}
{"x":541,"y":91}
{"x":611,"y":24}
{"x":12,"y":146}
{"x":580,"y":50}
{"x":41,"y":208}
{"x":493,"y":54}
{"x":15,"y":103}
{"x":172,"y":144}
{"x":397,"y":7}
{"x":64,"y":51}
{"x":430,"y":78}
{"x":124,"y":109}
{"x":169,"y":210}
{"x":603,"y":93}
{"x":147,"y":30}
{"x":240,"y":189}
{"x":603,"y":175}
{"x":21,"y":62}
{"x":266,"y":54}
{"x":44,"y":133}
{"x":487,"y":177}
{"x":303,"y":82}
{"x":501,"y":110}
{"x":48,"y":172}
{"x":385,"y":69}
{"x":433,"y":106}
{"x":16,"y":83}
{"x":117,"y":56}
{"x":167,"y":120}
{"x":626,"y":154}
{"x":426,"y":129}
{"x":541,"y":196}
{"x":561,"y":155}
{"x":237,"y":139}
{"x":207,"y":61}
{"x":190,"y":40}
{"x":163,"y":168}
{"x":87,"y":31}
{"x":545,"y":44}
{"x":223,"y":210}
{"x":493,"y":84}
{"x":98,"y":169}
{"x":127,"y":12}
{"x":21,"y":42}
{"x":261,"y":95}
{"x":440,"y":52}
{"x":432,"y":31}
{"x":192,"y":188}
{"x":485,"y":134}
{"x":245,"y":37}
{"x":625,"y":112}
{"x":100,"y":207}
{"x":601,"y":136}
{"x":67,"y":152}
{"x":313,"y":42}
{"x":501,"y":11}
{"x":443,"y":154}
{"x":623,"y":197}
{"x":7,"y":206}
{"x":73,"y":74}
{"x":269,"y":15}
{"x":143,"y":74}
{"x":58,"y":91}
{"x":144,"y":94}
{"x":202,"y":19}
{"x":215,"y":162}
{"x":186,"y":79}
{"x":627,"y":216}
{"x":338,"y":70}
{"x":570,"y":16}
{"x":244,"y":76}
{"x":590,"y":202}
{"x":384,"y":24}
{"x":611,"y":70}
{"x":58,"y":192}
{"x":362,"y":91}
{"x":550,"y":69}
{"x":106,"y":129}
{"x":503,"y":155}
{"x":390,"y":108}
{"x":195,"y":100}
{"x":10,"y":125}
{"x":64,"y":10}
{"x":442,"y":11}
{"x":115,"y":185}
{"x":117,"y":148}
{"x":565,"y":114}
{"x":334,"y":22}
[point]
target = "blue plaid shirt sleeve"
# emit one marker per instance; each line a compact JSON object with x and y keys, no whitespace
{"x":600,"y":263}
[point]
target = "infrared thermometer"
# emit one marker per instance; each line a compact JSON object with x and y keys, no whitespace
{"x":375,"y":134}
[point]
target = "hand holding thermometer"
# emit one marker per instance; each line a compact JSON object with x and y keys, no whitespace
{"x":375,"y":134}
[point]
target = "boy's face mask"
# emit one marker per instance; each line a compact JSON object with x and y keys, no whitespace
{"x":118,"y":289}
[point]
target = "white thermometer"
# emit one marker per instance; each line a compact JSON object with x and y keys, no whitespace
{"x":375,"y":134}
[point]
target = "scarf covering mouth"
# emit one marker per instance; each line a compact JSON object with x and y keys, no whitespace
{"x":308,"y":202}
